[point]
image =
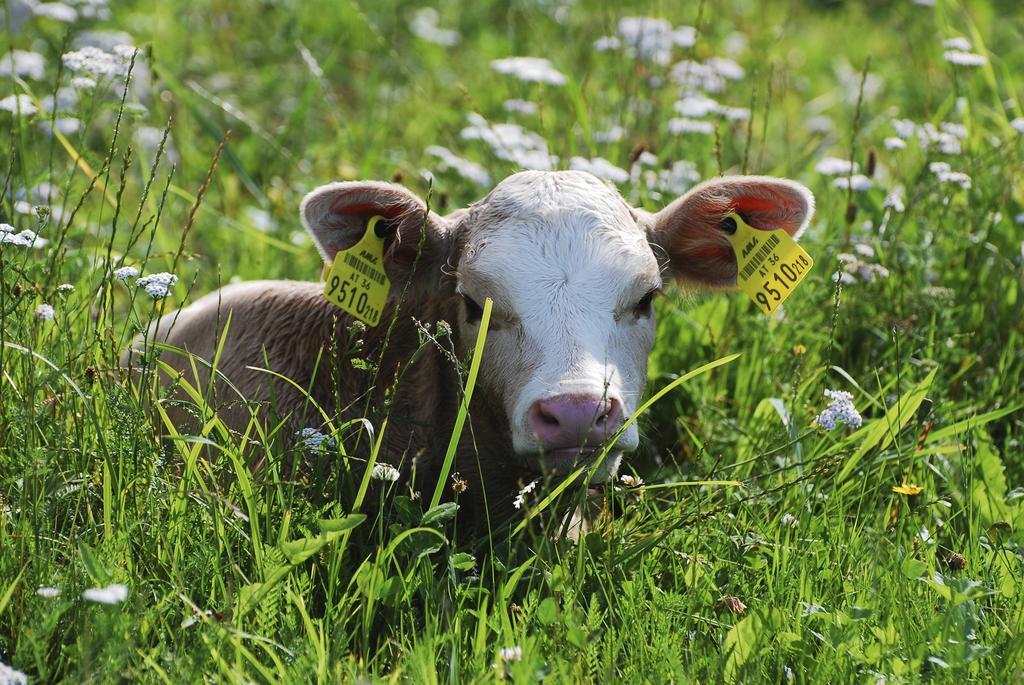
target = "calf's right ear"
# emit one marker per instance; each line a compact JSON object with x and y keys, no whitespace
{"x":336,"y":216}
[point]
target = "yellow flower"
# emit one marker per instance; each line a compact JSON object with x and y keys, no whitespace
{"x":799,"y":350}
{"x":907,"y":489}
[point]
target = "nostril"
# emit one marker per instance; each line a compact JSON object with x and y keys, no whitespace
{"x":547,"y":417}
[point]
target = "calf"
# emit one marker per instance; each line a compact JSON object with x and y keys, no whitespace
{"x":572,"y":270}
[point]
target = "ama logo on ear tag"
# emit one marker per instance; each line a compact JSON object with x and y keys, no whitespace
{"x":357,"y":281}
{"x":770,"y":264}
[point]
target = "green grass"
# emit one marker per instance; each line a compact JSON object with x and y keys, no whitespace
{"x":236,"y":576}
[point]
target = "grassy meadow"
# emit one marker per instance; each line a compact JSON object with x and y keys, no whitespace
{"x":760,"y":546}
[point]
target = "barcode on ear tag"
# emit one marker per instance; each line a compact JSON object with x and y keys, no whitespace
{"x":357,"y":281}
{"x":770,"y":264}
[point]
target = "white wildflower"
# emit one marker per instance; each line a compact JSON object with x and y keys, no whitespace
{"x":24,"y":239}
{"x":651,"y":39}
{"x":112,"y":594}
{"x":157,"y":285}
{"x":19,"y":104}
{"x":955,"y":130}
{"x":83,"y":82}
{"x":97,"y":62}
{"x":521,"y":496}
{"x":45,"y":312}
{"x":858,"y":183}
{"x":600,"y":167}
{"x":606,"y":43}
{"x":9,"y":676}
{"x":963,"y":58}
{"x":839,"y":410}
{"x":471,"y":171}
{"x":945,"y":174}
{"x":47,"y":592}
{"x":57,"y":11}
{"x":385,"y":472}
{"x":65,"y":287}
{"x":509,"y":654}
{"x":893,"y":201}
{"x":23,"y":64}
{"x":674,"y":181}
{"x":511,"y":142}
{"x":310,"y":439}
{"x":844,"y":277}
{"x":864,"y":250}
{"x":647,"y":158}
{"x":834,"y":166}
{"x":1018,"y":125}
{"x":726,"y":68}
{"x":697,"y":76}
{"x":630,"y":481}
{"x":520,"y":106}
{"x":696,"y":105}
{"x":611,"y":135}
{"x":1019,"y":219}
{"x":425,"y":24}
{"x":126,"y":272}
{"x":790,"y":520}
{"x":904,"y":127}
{"x":946,"y":139}
{"x":683,"y":125}
{"x":529,"y":69}
{"x":736,"y":113}
{"x":819,"y":124}
{"x":958,"y":43}
{"x":894,"y":143}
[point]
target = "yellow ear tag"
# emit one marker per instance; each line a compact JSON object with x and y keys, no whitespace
{"x":357,"y":281}
{"x":770,"y":264}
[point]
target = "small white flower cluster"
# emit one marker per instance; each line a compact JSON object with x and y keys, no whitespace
{"x":312,"y":440}
{"x":631,"y":481}
{"x":834,"y":166}
{"x":858,"y":183}
{"x":682,"y":125}
{"x":894,"y":201}
{"x":65,"y":287}
{"x":518,"y":106}
{"x":521,"y":497}
{"x":99,"y":63}
{"x":25,"y":238}
{"x":158,"y":285}
{"x":112,"y":594}
{"x":648,"y":38}
{"x":425,"y":24}
{"x":19,"y":104}
{"x":23,"y":64}
{"x":945,"y":174}
{"x":471,"y":171}
{"x":511,"y":142}
{"x":675,"y":180}
{"x":45,"y":312}
{"x":839,"y":410}
{"x":385,"y":472}
{"x":48,"y":592}
{"x":710,"y":75}
{"x":125,"y":272}
{"x":57,"y":11}
{"x":854,"y":266}
{"x":963,"y":58}
{"x":1018,"y":125}
{"x":509,"y":654}
{"x":600,"y":167}
{"x":536,"y":69}
{"x":612,"y":134}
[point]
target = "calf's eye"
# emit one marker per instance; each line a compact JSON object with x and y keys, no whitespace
{"x":474,"y":312}
{"x":643,"y":307}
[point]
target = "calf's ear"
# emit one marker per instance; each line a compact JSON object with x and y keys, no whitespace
{"x":688,"y":231}
{"x":336,"y":215}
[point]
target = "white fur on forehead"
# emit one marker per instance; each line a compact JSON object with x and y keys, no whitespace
{"x":541,"y":194}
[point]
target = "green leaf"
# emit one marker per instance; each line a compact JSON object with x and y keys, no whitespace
{"x":914,"y":568}
{"x":881,"y":432}
{"x":342,"y":524}
{"x":462,"y":561}
{"x":739,"y":644}
{"x":96,"y":571}
{"x":547,"y":612}
{"x":999,"y":532}
{"x":440,"y":514}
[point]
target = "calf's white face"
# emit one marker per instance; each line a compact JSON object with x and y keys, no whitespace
{"x":571,"y":269}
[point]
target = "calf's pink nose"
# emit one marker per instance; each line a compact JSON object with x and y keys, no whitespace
{"x":568,"y":421}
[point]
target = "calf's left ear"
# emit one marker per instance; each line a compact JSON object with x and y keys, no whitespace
{"x":689,"y":230}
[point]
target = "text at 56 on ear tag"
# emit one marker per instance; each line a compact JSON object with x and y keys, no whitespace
{"x":770,"y":265}
{"x":357,"y":281}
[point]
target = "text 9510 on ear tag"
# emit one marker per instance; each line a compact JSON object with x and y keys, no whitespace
{"x":357,"y":281}
{"x":770,"y":264}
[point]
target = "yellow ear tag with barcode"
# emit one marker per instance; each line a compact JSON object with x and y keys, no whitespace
{"x":357,"y":281}
{"x":770,"y":264}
